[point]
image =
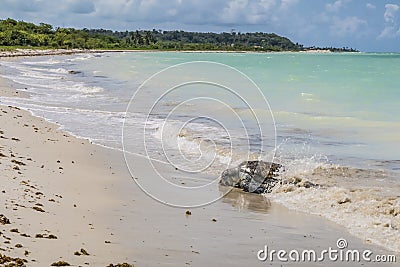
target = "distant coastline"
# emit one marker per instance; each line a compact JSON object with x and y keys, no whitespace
{"x":16,"y":35}
{"x":29,"y":52}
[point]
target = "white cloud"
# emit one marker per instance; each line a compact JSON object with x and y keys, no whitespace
{"x":80,"y":6}
{"x":249,"y":11}
{"x":285,"y":4}
{"x":391,"y":10}
{"x":391,"y":28}
{"x":22,"y":5}
{"x":267,"y":4}
{"x":335,"y":6}
{"x":370,"y":6}
{"x":347,"y":26}
{"x":388,"y":32}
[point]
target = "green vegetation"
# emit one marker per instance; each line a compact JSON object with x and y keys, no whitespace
{"x":181,"y":40}
{"x":20,"y":34}
{"x":23,"y":34}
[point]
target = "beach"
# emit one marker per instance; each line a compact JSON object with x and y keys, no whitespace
{"x":64,"y":196}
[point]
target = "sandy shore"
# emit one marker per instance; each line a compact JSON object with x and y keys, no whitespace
{"x":54,"y":52}
{"x":62,"y":194}
{"x":41,"y":52}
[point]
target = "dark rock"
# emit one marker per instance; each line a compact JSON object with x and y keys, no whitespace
{"x":253,"y":176}
{"x":74,"y":72}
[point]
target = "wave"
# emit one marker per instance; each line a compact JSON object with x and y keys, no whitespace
{"x":83,"y":57}
{"x":51,"y":78}
{"x":86,"y":89}
{"x":366,"y":202}
{"x":50,"y":61}
{"x":196,"y":146}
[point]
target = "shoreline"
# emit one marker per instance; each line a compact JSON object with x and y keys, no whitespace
{"x":38,"y":52}
{"x":53,"y":52}
{"x":51,"y":217}
{"x":140,"y":230}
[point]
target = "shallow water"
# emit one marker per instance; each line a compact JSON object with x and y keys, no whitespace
{"x":335,"y":117}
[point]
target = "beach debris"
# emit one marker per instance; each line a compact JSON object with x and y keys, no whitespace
{"x":298,"y":182}
{"x":253,"y":176}
{"x":38,"y":209}
{"x":84,"y":252}
{"x":18,"y":162}
{"x":8,"y":261}
{"x":120,"y":265}
{"x":4,"y":220}
{"x":50,"y":236}
{"x":344,"y":200}
{"x":81,"y":252}
{"x":60,"y":263}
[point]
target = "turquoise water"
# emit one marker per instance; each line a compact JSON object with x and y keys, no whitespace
{"x":342,"y":107}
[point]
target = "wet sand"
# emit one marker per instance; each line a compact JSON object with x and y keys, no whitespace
{"x":62,"y":194}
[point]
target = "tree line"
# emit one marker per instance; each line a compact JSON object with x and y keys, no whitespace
{"x":25,"y":34}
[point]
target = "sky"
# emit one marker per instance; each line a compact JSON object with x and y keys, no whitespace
{"x":367,"y":25}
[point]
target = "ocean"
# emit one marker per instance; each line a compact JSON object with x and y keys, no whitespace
{"x":332,"y":119}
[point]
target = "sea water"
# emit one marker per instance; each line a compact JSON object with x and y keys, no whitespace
{"x":332,"y":119}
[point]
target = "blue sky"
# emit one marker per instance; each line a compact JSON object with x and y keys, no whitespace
{"x":370,"y":25}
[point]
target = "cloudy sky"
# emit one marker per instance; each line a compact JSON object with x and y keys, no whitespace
{"x":370,"y":25}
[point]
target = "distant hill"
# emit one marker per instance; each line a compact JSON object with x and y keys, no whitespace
{"x":24,"y":34}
